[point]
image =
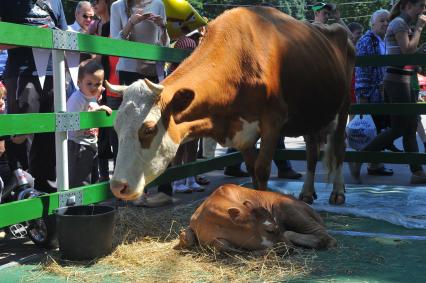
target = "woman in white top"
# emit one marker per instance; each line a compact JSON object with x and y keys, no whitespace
{"x":141,"y":21}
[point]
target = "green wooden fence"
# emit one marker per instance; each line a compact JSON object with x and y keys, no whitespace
{"x":14,"y":34}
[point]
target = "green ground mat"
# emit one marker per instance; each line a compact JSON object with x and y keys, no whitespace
{"x":357,"y":259}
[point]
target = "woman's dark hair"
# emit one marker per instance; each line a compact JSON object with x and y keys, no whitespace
{"x":396,"y":9}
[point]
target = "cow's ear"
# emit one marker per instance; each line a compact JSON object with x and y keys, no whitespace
{"x":182,"y":99}
{"x":234,"y":213}
{"x":248,"y":204}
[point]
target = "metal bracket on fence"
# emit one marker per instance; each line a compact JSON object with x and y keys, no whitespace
{"x":69,"y":121}
{"x":70,"y":198}
{"x":65,"y":40}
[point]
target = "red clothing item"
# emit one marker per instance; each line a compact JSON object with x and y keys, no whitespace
{"x":113,"y":76}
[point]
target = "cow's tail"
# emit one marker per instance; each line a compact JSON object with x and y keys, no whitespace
{"x":329,"y":159}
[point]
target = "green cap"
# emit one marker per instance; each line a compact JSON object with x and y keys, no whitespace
{"x":321,"y":5}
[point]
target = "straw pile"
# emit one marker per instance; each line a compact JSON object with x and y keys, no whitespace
{"x":144,"y":240}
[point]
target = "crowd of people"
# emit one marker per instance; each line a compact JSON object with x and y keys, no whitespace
{"x":391,"y":32}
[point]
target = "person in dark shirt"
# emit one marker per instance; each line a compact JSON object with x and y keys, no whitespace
{"x":25,"y":94}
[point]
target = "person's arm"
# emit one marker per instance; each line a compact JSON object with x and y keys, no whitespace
{"x":409,"y":45}
{"x":62,"y":22}
{"x":336,"y":16}
{"x":97,"y":107}
{"x":116,"y":28}
{"x":363,"y":75}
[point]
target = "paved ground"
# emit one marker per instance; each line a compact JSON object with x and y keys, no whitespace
{"x":14,"y":251}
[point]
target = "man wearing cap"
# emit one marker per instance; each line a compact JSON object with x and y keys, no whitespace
{"x":323,"y":11}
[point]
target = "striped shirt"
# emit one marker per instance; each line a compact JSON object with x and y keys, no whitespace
{"x":183,"y":43}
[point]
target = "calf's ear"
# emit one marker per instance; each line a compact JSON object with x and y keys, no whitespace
{"x":182,"y":99}
{"x":234,"y":213}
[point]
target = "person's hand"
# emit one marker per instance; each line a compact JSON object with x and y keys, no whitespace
{"x":2,"y":148}
{"x":421,"y":21}
{"x":157,"y":19}
{"x":106,"y":108}
{"x":139,"y":16}
{"x":422,"y":48}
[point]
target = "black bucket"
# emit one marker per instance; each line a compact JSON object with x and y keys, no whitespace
{"x":85,"y":231}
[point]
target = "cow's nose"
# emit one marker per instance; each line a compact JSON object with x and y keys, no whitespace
{"x":118,"y":188}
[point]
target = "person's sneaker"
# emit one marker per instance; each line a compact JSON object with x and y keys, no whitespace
{"x":156,"y":200}
{"x":418,"y":177}
{"x":182,"y":188}
{"x":235,"y":172}
{"x":193,"y":185}
{"x":289,"y":174}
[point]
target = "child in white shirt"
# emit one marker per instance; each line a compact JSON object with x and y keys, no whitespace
{"x":82,"y":144}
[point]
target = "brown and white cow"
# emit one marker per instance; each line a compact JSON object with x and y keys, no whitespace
{"x":234,"y":217}
{"x":258,"y":73}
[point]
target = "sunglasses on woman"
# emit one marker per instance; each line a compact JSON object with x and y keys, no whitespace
{"x":88,"y":17}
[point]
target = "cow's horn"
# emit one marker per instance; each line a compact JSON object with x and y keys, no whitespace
{"x":156,"y":88}
{"x":118,"y":89}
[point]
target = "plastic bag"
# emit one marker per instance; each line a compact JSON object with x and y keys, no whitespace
{"x":360,"y":131}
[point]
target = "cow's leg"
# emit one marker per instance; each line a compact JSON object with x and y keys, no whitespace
{"x":268,"y":144}
{"x":308,"y":193}
{"x":315,"y":241}
{"x":250,"y":156}
{"x":336,"y":141}
{"x":186,"y":239}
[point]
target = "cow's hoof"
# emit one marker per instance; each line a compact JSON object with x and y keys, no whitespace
{"x":337,"y":198}
{"x":186,"y":239}
{"x":309,"y":199}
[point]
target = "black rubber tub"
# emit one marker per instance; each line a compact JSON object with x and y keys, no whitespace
{"x":85,"y":231}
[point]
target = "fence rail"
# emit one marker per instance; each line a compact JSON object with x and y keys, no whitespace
{"x":10,"y":124}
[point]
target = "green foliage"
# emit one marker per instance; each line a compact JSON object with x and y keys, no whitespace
{"x":212,"y":8}
{"x":351,"y":10}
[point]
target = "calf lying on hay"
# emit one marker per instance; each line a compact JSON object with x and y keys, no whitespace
{"x":236,"y":217}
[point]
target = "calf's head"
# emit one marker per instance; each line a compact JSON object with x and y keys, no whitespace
{"x":260,"y":229}
{"x":148,"y":138}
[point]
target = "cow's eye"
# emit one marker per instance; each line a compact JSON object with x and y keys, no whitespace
{"x":147,"y":133}
{"x":148,"y":129}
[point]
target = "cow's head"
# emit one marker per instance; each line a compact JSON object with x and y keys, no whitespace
{"x":147,"y":142}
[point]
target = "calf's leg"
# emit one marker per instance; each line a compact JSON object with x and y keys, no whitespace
{"x":319,"y":240}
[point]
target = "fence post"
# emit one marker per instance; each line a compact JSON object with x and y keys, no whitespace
{"x":58,"y":59}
